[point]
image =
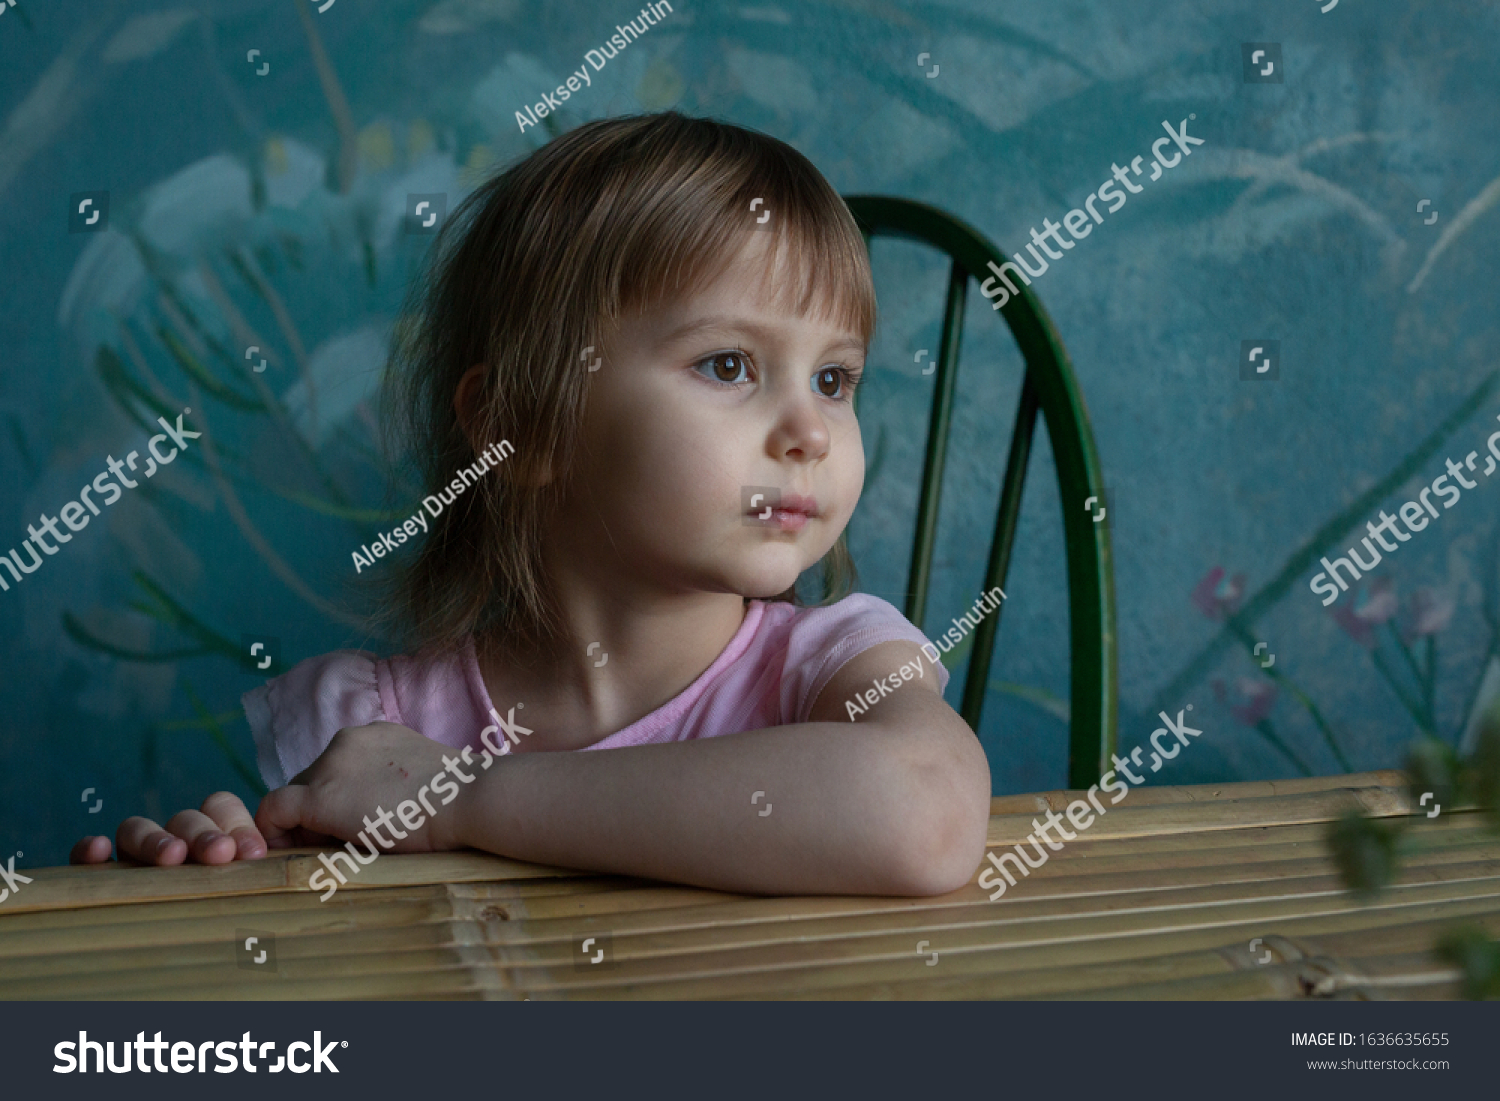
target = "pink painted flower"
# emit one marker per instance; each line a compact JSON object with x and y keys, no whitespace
{"x":1258,"y":696}
{"x":1380,"y":604}
{"x":1217,"y":598}
{"x":1427,"y":612}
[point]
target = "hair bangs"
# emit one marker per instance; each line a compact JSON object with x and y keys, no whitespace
{"x":816,"y":263}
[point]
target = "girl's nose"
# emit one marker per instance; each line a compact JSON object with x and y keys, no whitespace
{"x":799,"y":431}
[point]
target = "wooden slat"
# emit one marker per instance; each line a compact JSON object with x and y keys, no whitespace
{"x":981,"y":925}
{"x":157,"y":946}
{"x":1388,"y":955}
{"x":111,"y":884}
{"x":730,"y":922}
{"x":1158,"y":898}
{"x":991,"y":965}
{"x":1040,"y":802}
{"x":1201,"y":817}
{"x":1241,"y":842}
{"x":409,"y":869}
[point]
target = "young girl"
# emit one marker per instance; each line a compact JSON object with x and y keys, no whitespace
{"x":665,"y":318}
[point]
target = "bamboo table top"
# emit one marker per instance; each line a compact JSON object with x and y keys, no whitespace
{"x":1159,"y":898}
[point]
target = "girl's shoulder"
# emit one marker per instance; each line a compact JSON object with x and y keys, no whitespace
{"x":818,"y":641}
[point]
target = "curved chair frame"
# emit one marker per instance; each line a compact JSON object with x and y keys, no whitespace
{"x":1049,"y":386}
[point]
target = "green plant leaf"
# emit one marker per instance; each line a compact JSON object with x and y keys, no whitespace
{"x":1431,"y":765}
{"x":1470,"y":949}
{"x":1364,"y":851}
{"x":1482,"y":776}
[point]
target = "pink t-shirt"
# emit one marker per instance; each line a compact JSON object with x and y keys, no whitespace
{"x":770,"y":674}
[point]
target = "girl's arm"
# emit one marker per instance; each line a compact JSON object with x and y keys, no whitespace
{"x":894,"y":803}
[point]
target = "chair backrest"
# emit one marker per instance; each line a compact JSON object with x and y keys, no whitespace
{"x":1050,"y":386}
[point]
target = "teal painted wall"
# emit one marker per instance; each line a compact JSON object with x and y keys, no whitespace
{"x":235,"y":206}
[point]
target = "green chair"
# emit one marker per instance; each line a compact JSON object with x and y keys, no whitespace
{"x":1049,"y":385}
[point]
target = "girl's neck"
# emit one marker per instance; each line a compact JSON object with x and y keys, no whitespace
{"x":578,"y":691}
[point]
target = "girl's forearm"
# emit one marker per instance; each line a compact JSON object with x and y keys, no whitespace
{"x":843,"y":808}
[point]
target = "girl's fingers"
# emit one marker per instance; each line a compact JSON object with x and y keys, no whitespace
{"x":232,"y":816}
{"x":279,"y":815}
{"x":142,"y":840}
{"x":206,"y":843}
{"x":223,"y":831}
{"x":91,"y":850}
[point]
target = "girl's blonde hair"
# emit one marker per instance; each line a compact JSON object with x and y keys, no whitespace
{"x":527,"y":273}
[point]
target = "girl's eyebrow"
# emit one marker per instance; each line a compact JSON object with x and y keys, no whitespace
{"x":726,"y":322}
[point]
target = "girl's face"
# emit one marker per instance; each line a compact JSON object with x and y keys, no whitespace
{"x":704,"y":417}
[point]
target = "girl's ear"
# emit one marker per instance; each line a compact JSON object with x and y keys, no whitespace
{"x":466,"y":401}
{"x":466,"y":406}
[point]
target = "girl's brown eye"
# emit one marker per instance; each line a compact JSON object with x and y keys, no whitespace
{"x":728,"y":366}
{"x":827,"y":382}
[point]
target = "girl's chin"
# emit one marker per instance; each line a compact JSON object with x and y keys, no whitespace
{"x":764,"y":586}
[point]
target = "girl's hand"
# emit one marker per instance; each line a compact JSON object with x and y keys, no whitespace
{"x":365,"y":774}
{"x":221,"y":832}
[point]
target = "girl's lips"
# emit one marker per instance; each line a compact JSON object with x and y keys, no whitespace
{"x":788,"y":520}
{"x":791,"y":512}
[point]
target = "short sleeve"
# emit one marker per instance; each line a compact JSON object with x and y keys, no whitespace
{"x":822,"y":640}
{"x":293,"y":717}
